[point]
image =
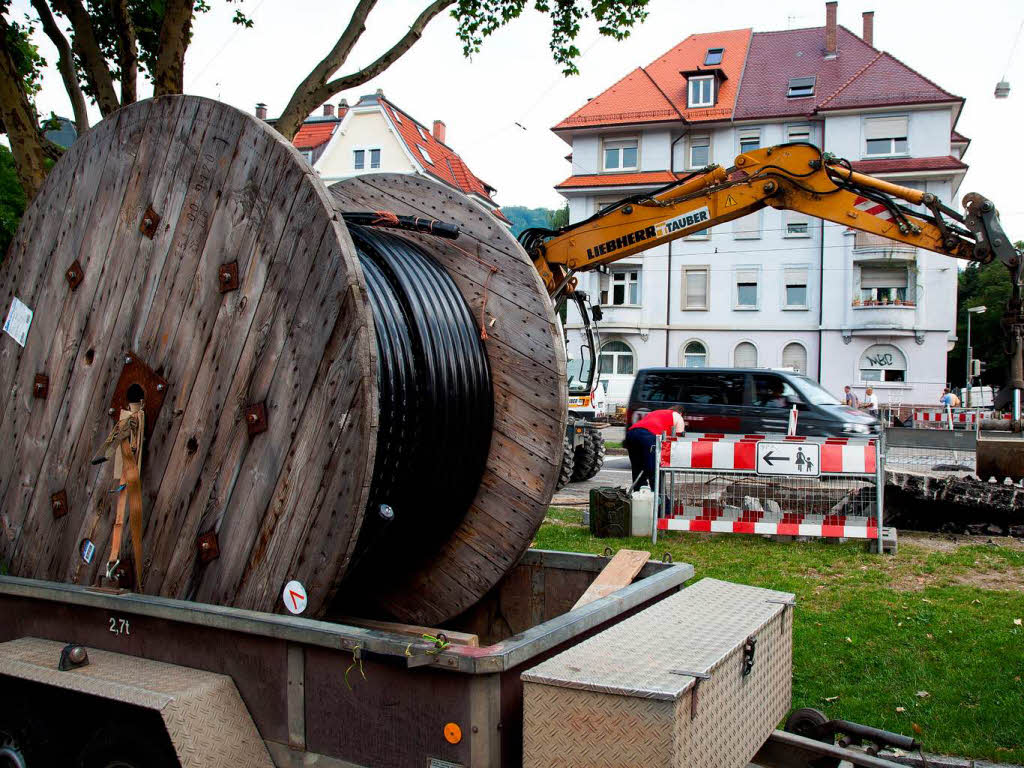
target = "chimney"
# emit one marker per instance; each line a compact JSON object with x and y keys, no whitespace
{"x":869,"y":28}
{"x":328,"y":110}
{"x":342,"y":107}
{"x":438,"y":131}
{"x":261,"y":111}
{"x":830,"y":28}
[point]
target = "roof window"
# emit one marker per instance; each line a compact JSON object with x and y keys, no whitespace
{"x":800,"y":86}
{"x":423,"y":133}
{"x":425,"y":154}
{"x":713,"y":57}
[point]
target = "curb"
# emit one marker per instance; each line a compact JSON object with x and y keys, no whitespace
{"x":941,"y":761}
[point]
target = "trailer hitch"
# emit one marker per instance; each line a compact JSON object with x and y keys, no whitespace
{"x":813,"y":724}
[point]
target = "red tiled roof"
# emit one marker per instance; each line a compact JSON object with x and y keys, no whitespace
{"x":618,"y":179}
{"x":497,"y":212}
{"x":657,"y":92}
{"x":858,"y":76}
{"x":901,"y":164}
{"x":312,"y":134}
{"x":958,"y":138}
{"x":445,"y":164}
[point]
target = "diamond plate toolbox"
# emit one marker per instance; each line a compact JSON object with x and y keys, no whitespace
{"x":698,"y":680}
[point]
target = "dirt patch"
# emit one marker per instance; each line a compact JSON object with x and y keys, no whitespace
{"x":938,"y":542}
{"x":1010,"y":580}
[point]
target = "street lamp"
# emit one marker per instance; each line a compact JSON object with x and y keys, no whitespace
{"x":970,"y":353}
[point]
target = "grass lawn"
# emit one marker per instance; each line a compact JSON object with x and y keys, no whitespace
{"x":612,"y":444}
{"x":927,"y":643}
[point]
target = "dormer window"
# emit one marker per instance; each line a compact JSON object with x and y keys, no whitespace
{"x":713,"y":57}
{"x":701,"y":91}
{"x":800,"y":87}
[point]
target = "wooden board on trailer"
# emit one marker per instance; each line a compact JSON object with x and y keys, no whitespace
{"x":620,"y":572}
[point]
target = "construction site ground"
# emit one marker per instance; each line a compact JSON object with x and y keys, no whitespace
{"x":929,"y":642}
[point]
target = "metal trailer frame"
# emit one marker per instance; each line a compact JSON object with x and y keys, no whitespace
{"x":346,"y":696}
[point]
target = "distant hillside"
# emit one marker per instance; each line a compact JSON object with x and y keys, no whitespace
{"x":525,"y":218}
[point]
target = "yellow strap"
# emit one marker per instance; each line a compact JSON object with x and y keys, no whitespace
{"x":127,"y":467}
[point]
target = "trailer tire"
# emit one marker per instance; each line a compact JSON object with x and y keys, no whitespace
{"x":808,"y":722}
{"x":127,"y":745}
{"x":23,"y":737}
{"x":565,"y":474}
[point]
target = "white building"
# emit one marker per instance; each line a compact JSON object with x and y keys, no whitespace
{"x":774,"y":289}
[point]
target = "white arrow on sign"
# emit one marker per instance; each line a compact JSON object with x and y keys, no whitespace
{"x":794,"y":459}
{"x":294,"y":597}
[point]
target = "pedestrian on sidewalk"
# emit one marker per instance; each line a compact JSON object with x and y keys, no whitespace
{"x":870,"y":401}
{"x":642,"y":437}
{"x":851,"y":397}
{"x":949,"y":399}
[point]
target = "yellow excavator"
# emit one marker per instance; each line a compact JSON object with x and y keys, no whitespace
{"x":797,"y":177}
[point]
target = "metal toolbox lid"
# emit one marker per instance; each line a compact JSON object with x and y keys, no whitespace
{"x":651,"y":655}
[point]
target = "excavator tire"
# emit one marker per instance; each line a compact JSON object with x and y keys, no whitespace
{"x":589,"y":457}
{"x":565,"y":474}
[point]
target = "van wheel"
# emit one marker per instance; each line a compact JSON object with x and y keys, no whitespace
{"x":568,"y":460}
{"x":126,"y":746}
{"x":589,"y":457}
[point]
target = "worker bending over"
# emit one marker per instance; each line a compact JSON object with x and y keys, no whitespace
{"x":642,"y":436}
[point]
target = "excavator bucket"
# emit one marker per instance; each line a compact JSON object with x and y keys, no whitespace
{"x":1000,"y":456}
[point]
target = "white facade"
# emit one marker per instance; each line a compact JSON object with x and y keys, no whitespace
{"x":783,"y":290}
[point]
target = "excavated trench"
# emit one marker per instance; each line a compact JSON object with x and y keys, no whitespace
{"x":953,"y":503}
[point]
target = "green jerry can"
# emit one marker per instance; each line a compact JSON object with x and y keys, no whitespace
{"x":610,"y":513}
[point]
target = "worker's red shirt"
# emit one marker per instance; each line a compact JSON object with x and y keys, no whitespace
{"x":657,"y":422}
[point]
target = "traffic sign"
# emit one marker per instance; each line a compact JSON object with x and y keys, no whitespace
{"x":294,"y":597}
{"x":795,"y":459}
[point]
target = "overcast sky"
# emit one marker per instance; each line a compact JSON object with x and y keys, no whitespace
{"x":500,"y":105}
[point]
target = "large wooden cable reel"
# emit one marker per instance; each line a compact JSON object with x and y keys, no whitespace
{"x":186,"y":249}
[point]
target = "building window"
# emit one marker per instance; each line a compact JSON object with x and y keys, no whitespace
{"x":308,"y":154}
{"x":359,"y":159}
{"x":746,"y":289}
{"x":700,"y":234}
{"x":699,"y":151}
{"x":801,"y":133}
{"x":625,"y":288}
{"x":621,"y":155}
{"x":797,"y":225}
{"x":713,"y":57}
{"x":747,"y":227}
{"x":800,"y":87}
{"x":745,"y":355}
{"x":423,"y":132}
{"x":375,"y":158}
{"x":695,"y":287}
{"x":796,"y":287}
{"x":884,"y":136}
{"x":883,"y":362}
{"x":424,"y":154}
{"x":794,"y":356}
{"x":695,"y":355}
{"x":750,"y":139}
{"x":616,"y":359}
{"x":702,"y":91}
{"x":883,"y":285}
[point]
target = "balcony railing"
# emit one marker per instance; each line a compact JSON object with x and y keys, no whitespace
{"x":865,"y":241}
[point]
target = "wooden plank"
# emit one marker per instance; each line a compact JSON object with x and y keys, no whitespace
{"x":412,"y":630}
{"x":620,"y":572}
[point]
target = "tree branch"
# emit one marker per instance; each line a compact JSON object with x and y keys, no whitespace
{"x":127,"y":50}
{"x":97,"y":73}
{"x":20,"y":120}
{"x":66,"y":65}
{"x":175,"y":33}
{"x":301,"y":103}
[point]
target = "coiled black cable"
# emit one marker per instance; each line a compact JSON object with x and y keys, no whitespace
{"x":435,"y":399}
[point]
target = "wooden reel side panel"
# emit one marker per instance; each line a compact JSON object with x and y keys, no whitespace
{"x":296,"y":335}
{"x":527,"y":362}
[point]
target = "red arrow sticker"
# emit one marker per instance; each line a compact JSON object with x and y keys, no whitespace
{"x":294,"y":597}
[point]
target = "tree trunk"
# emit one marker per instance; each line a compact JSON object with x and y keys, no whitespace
{"x":315,"y":88}
{"x":66,"y":65}
{"x":175,"y":34}
{"x":20,"y":121}
{"x":97,"y":73}
{"x":127,"y":49}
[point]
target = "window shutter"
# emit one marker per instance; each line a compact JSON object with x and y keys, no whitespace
{"x":885,"y":128}
{"x":745,"y":355}
{"x":792,"y":217}
{"x":796,"y":276}
{"x":746,"y":276}
{"x":795,"y":356}
{"x":882,"y":277}
{"x":748,"y":227}
{"x":696,"y":289}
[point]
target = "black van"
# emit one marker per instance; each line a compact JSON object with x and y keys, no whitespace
{"x":746,"y":401}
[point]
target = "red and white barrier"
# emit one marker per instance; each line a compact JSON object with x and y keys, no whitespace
{"x":738,"y":453}
{"x":842,"y":529}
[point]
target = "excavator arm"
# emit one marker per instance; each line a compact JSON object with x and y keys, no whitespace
{"x":797,"y":177}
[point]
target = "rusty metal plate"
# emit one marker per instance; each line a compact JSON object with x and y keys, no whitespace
{"x":227,"y":277}
{"x":150,"y":221}
{"x":41,"y":386}
{"x":136,"y":374}
{"x":208,"y":546}
{"x":256,"y":418}
{"x":59,"y":503}
{"x":74,"y":274}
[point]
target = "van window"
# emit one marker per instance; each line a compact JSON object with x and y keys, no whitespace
{"x":773,"y":392}
{"x":659,"y":388}
{"x":714,"y":388}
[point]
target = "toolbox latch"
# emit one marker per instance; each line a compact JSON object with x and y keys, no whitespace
{"x":697,"y":678}
{"x":748,"y":654}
